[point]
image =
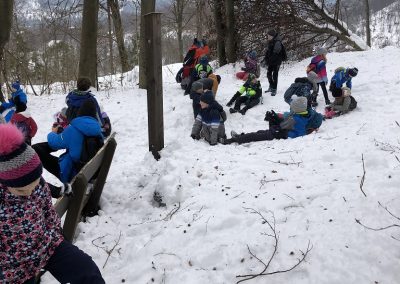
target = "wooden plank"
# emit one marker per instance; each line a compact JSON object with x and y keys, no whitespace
{"x":92,"y":205}
{"x":154,"y":83}
{"x":75,"y":207}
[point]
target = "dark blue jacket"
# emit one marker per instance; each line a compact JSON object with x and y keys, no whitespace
{"x":341,"y":77}
{"x":71,"y":139}
{"x":74,"y":101}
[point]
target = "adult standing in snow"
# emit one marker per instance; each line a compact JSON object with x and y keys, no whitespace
{"x":342,"y":76}
{"x":274,"y":56}
{"x":318,"y":65}
{"x":31,"y":235}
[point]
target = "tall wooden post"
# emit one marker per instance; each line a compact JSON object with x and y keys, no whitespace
{"x":154,"y":83}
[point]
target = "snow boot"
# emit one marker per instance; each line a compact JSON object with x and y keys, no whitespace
{"x":234,"y":134}
{"x":232,"y":110}
{"x":269,"y":90}
{"x":273,"y":92}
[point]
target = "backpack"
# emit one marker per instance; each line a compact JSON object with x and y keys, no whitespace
{"x":90,"y":146}
{"x":283,"y":53}
{"x":258,"y":70}
{"x":353,"y":103}
{"x":339,"y":69}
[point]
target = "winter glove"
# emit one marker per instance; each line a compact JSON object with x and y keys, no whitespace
{"x":195,"y":137}
{"x":243,"y":68}
{"x":66,"y":190}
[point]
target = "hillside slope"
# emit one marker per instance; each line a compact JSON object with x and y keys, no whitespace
{"x":311,"y":185}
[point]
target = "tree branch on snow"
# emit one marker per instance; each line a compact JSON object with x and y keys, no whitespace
{"x":285,"y":163}
{"x":382,"y":228}
{"x":266,"y":265}
{"x":384,"y":146}
{"x":105,"y":249}
{"x":363,"y":177}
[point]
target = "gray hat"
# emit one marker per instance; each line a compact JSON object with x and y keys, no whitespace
{"x":298,"y":104}
{"x":313,"y":78}
{"x":196,"y":86}
{"x":321,"y":50}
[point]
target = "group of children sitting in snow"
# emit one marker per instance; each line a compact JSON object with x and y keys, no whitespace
{"x":31,"y":232}
{"x":301,"y":96}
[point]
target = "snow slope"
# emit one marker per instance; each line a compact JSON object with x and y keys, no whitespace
{"x":385,"y":28}
{"x":310,"y":184}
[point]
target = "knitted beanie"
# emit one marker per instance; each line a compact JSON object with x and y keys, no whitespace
{"x":19,"y":163}
{"x":353,"y":71}
{"x":207,"y":97}
{"x":298,"y":104}
{"x":272,"y":33}
{"x":16,"y":85}
{"x":196,"y":86}
{"x":321,"y":50}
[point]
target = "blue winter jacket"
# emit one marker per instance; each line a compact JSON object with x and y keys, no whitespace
{"x":22,"y":98}
{"x":303,"y":122}
{"x":342,"y":77}
{"x":71,"y":139}
{"x":76,"y":98}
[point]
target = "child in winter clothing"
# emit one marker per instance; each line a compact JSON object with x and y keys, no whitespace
{"x":298,"y":122}
{"x":18,"y":101}
{"x":318,"y":65}
{"x":61,"y":120}
{"x":195,"y":94}
{"x":342,"y":75}
{"x":201,"y":70}
{"x":302,"y":87}
{"x":31,"y":236}
{"x":342,"y":104}
{"x":77,"y":97}
{"x":250,"y":66}
{"x":71,"y":139}
{"x":26,"y":124}
{"x":209,"y":123}
{"x":249,"y":94}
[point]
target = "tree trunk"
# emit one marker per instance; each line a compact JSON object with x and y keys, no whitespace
{"x":368,"y":22}
{"x":200,"y":17}
{"x":6,"y":14}
{"x":119,"y":34}
{"x":179,"y":7}
{"x":88,"y":49}
{"x":110,"y":39}
{"x":230,"y":31}
{"x":147,"y":6}
{"x":220,"y":28}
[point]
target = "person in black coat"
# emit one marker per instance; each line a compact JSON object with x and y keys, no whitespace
{"x":273,"y":59}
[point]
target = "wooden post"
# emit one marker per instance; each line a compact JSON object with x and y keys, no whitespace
{"x":154,"y":83}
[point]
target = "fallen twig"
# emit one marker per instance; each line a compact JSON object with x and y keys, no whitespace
{"x":377,"y":229}
{"x":362,"y":126}
{"x":276,"y":239}
{"x":387,"y":210}
{"x":285,"y":163}
{"x":363,"y":177}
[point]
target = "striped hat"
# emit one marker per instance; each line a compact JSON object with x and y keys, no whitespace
{"x":19,"y":163}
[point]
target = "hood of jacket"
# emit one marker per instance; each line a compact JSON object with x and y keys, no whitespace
{"x":87,"y":125}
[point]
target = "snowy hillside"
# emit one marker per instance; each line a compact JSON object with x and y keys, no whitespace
{"x":385,"y":26}
{"x":311,"y":185}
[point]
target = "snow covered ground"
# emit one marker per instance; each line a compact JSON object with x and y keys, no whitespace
{"x":311,"y":185}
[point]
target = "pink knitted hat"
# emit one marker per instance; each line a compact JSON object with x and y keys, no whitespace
{"x":19,"y":163}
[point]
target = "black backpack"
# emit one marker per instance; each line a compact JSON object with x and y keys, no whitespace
{"x":283,"y":53}
{"x":90,"y":146}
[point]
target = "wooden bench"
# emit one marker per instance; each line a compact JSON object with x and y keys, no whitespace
{"x":84,"y":203}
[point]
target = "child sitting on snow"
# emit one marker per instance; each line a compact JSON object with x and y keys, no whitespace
{"x":250,"y":66}
{"x":249,"y":95}
{"x":209,"y":123}
{"x":26,"y":124}
{"x":342,"y":104}
{"x":31,"y":234}
{"x":342,"y":76}
{"x":298,"y":122}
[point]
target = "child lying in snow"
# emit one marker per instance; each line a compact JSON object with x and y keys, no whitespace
{"x":298,"y":122}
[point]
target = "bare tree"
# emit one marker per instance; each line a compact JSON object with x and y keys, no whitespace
{"x":230,"y":31}
{"x":110,"y":39}
{"x":367,"y":22}
{"x":147,"y":6}
{"x":200,"y":17}
{"x":88,"y":49}
{"x":119,"y":34}
{"x":220,"y":29}
{"x":6,"y":12}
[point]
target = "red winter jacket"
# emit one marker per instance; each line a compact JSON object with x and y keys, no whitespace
{"x":25,"y":123}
